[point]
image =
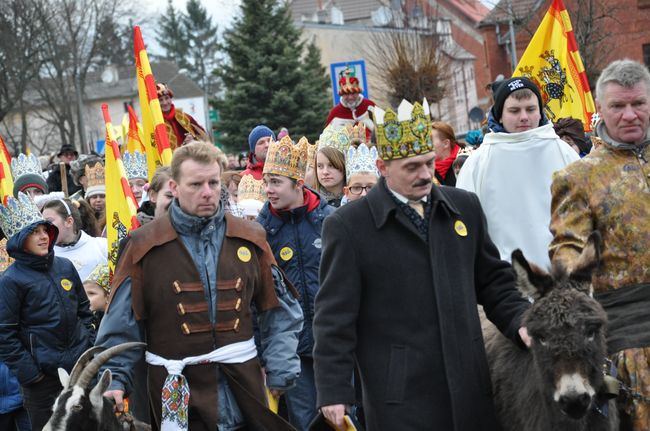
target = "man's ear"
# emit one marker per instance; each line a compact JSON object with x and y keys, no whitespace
{"x":381,"y":167}
{"x":173,"y":187}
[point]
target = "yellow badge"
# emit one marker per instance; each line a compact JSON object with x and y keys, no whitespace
{"x":244,"y":254}
{"x":286,"y":253}
{"x":66,"y":284}
{"x":460,"y":227}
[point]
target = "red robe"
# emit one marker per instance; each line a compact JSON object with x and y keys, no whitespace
{"x":340,"y":115}
{"x":179,"y":124}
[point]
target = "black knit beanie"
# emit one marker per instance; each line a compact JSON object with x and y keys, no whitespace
{"x":29,"y":180}
{"x":509,"y":86}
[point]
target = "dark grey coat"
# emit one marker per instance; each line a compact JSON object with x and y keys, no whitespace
{"x":406,"y":310}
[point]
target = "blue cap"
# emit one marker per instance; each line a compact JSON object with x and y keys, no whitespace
{"x":257,"y":133}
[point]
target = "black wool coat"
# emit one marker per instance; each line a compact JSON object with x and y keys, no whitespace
{"x":405,"y":310}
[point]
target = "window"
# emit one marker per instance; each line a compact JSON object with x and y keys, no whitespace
{"x":646,"y":55}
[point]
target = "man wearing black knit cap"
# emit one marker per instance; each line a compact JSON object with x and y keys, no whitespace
{"x":511,"y":172}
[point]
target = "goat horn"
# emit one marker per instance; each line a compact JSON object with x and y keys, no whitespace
{"x":81,"y":363}
{"x":93,"y":367}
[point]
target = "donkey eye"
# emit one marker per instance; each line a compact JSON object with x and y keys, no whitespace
{"x":542,"y":340}
{"x":77,"y":407}
{"x":591,"y":334}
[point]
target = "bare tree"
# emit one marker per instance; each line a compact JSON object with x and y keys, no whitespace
{"x":409,"y":57}
{"x":73,"y":35}
{"x":21,"y":43}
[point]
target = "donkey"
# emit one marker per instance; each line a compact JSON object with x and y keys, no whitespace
{"x":557,"y":384}
{"x":82,"y":407}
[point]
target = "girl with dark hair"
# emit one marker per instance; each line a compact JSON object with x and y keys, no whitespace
{"x":73,"y":243}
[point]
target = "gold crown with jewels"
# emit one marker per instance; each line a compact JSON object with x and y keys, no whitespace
{"x":286,"y":158}
{"x":406,"y":133}
{"x":337,"y":138}
{"x":250,"y":188}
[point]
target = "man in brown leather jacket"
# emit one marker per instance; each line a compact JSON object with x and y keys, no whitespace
{"x":188,"y":283}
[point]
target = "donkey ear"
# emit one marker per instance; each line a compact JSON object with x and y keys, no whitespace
{"x":588,"y":260}
{"x":532,"y":280}
{"x":96,"y":395}
{"x":64,"y":377}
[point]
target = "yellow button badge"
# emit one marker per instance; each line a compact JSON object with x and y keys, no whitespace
{"x":286,"y":253}
{"x":460,"y":228}
{"x":244,"y":254}
{"x":66,"y":284}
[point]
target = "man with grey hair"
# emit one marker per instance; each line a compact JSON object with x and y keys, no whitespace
{"x":609,"y":191}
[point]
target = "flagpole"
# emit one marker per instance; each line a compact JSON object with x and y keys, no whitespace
{"x":513,"y":45}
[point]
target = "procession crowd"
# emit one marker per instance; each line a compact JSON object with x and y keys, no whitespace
{"x":312,"y":285}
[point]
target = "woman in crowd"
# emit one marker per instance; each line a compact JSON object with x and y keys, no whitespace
{"x":330,"y":175}
{"x":46,"y":322}
{"x":73,"y":243}
{"x":446,"y":148}
{"x":159,"y":191}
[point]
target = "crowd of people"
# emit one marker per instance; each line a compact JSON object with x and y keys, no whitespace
{"x":340,"y":278}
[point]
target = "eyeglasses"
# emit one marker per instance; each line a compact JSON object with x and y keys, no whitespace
{"x":357,"y":190}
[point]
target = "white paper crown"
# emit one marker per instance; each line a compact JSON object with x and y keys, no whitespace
{"x":361,"y":159}
{"x":23,"y":165}
{"x":18,"y":214}
{"x":135,"y":165}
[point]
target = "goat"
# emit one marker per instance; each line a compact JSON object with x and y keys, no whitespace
{"x":556,"y":384}
{"x":80,"y":407}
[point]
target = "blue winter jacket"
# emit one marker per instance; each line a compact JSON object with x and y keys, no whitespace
{"x":10,"y":398}
{"x":44,"y":312}
{"x":295,"y":238}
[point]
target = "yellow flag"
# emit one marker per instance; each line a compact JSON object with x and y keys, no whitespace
{"x":6,"y":180}
{"x":121,"y":206}
{"x":552,"y":61}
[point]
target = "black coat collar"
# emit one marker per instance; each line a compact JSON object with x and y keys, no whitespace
{"x":382,"y":204}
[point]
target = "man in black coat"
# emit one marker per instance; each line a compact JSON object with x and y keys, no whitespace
{"x":402,"y":272}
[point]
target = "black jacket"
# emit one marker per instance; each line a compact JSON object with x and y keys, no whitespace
{"x":406,"y":310}
{"x":45,"y":320}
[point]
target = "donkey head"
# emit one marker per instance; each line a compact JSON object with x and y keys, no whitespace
{"x":80,"y":406}
{"x":567,"y":327}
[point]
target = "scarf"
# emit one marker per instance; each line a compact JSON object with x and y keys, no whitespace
{"x":169,"y":116}
{"x":601,"y":132}
{"x":442,"y":166}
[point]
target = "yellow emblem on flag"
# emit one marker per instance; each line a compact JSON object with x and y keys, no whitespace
{"x":66,"y":284}
{"x":460,"y":228}
{"x":286,"y":254}
{"x":244,"y":254}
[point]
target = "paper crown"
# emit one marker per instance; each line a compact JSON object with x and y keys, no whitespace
{"x":162,"y":89}
{"x":357,"y":133}
{"x":337,"y":138}
{"x":465,"y":151}
{"x":135,"y":165}
{"x":361,"y":159}
{"x":286,"y":158}
{"x":95,"y":175}
{"x":312,"y":149}
{"x":348,"y":82}
{"x":250,"y":188}
{"x":101,"y":276}
{"x":23,"y":165}
{"x":405,"y":134}
{"x":17,"y":214}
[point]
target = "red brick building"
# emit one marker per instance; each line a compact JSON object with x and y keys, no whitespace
{"x":622,"y":23}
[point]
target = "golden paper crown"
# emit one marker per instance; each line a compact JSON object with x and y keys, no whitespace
{"x":312,"y":149}
{"x":357,"y":134}
{"x":337,"y":138}
{"x":406,"y":133}
{"x":286,"y":158}
{"x":95,"y":175}
{"x":250,"y":188}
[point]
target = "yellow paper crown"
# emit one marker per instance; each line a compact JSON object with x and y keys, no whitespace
{"x":357,"y":134}
{"x":311,"y":154}
{"x":286,"y":158}
{"x":406,"y":133}
{"x":337,"y":138}
{"x":250,"y":188}
{"x":95,"y":175}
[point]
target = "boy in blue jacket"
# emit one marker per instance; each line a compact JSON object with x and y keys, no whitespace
{"x":45,"y":320}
